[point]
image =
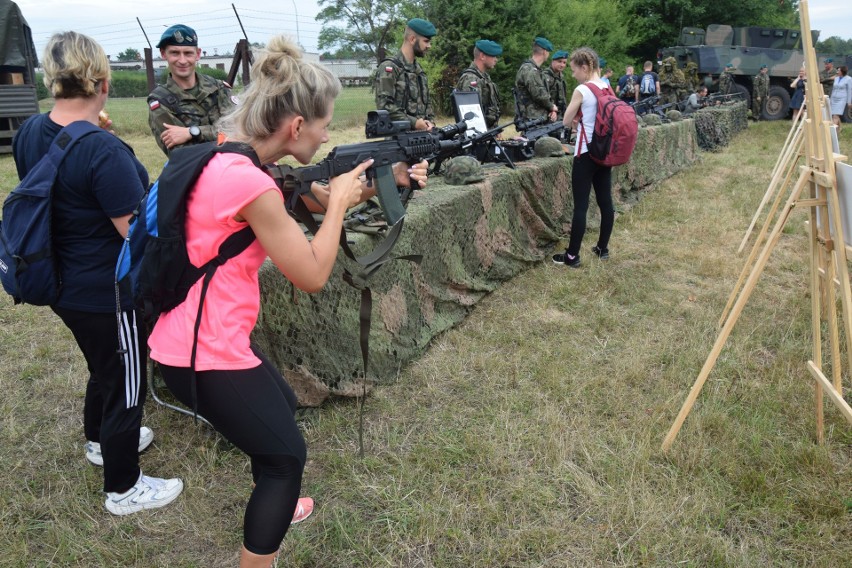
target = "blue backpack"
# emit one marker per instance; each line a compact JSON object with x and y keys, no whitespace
{"x":28,"y":265}
{"x":153,"y":263}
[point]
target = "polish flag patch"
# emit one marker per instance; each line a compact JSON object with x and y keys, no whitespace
{"x":389,"y":69}
{"x":473,"y":83}
{"x":154,"y":105}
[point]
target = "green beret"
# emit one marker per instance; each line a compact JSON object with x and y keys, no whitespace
{"x":601,"y":62}
{"x":560,"y":55}
{"x":422,"y":27}
{"x":764,"y":66}
{"x":729,"y":65}
{"x":543,"y":43}
{"x":180,"y":35}
{"x":829,"y":60}
{"x":489,"y":47}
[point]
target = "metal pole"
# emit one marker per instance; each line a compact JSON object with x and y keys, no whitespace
{"x":239,"y":21}
{"x":143,"y":33}
{"x":298,"y":37}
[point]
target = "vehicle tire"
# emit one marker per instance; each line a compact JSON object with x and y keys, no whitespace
{"x":777,"y":104}
{"x":847,"y":116}
{"x":746,"y":94}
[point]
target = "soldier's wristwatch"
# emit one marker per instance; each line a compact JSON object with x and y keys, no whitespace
{"x":195,"y":132}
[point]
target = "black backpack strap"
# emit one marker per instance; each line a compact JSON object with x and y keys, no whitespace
{"x":168,"y":99}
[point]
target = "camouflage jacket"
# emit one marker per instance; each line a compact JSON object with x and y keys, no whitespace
{"x":760,"y":86}
{"x":402,"y":89}
{"x":726,"y":83}
{"x":557,"y":89}
{"x":200,"y":106}
{"x":472,"y":79}
{"x":827,"y":80}
{"x":534,"y":98}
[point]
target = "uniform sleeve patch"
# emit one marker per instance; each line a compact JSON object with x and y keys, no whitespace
{"x":473,"y":83}
{"x":389,"y":69}
{"x":235,"y":100}
{"x":154,"y":105}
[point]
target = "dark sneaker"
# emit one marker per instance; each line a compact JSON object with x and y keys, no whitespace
{"x":567,"y":260}
{"x":602,"y":254}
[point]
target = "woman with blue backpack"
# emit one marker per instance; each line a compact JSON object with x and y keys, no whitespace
{"x":97,"y":185}
{"x":285,"y":111}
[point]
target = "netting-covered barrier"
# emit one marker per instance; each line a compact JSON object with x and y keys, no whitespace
{"x":716,"y":126}
{"x":472,"y":239}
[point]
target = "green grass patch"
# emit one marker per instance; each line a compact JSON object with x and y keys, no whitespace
{"x":527,"y":436}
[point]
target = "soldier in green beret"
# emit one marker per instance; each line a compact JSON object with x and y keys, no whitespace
{"x":826,"y":76}
{"x":534,"y":98}
{"x":555,"y":81}
{"x":184,"y":110}
{"x":476,"y":78}
{"x":401,"y":85}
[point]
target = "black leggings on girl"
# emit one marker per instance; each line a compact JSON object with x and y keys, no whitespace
{"x":254,"y":410}
{"x":584,"y":175}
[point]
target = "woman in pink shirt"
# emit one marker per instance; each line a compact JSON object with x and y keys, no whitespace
{"x":284,"y":112}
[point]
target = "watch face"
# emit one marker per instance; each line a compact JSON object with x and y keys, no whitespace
{"x":194,"y":131}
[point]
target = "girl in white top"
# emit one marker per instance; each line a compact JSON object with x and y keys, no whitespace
{"x":585,"y":173}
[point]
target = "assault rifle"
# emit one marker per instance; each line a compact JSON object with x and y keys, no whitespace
{"x":535,"y":128}
{"x":719,"y":98}
{"x":400,"y":145}
{"x":645,"y":105}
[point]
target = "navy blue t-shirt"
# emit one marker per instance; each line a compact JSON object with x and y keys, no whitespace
{"x":622,"y":82}
{"x":100,"y":179}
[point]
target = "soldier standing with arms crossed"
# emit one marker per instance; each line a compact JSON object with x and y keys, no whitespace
{"x":185,"y":109}
{"x":401,"y":85}
{"x":555,"y":81}
{"x":476,"y":78}
{"x":534,"y":99}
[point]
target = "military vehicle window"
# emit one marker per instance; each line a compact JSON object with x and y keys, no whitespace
{"x":780,"y":33}
{"x":794,"y":35}
{"x":765,"y":33}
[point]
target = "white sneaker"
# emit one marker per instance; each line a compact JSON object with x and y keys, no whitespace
{"x":93,"y":449}
{"x":148,"y":493}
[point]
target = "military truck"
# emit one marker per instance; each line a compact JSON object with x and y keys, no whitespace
{"x":748,"y":48}
{"x":18,"y":99}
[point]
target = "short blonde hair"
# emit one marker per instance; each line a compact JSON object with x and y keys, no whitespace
{"x":74,"y":66}
{"x":282,"y":84}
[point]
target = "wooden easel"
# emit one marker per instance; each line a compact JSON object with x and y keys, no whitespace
{"x":829,"y":268}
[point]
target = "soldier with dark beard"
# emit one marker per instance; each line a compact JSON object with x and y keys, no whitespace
{"x":402,"y":87}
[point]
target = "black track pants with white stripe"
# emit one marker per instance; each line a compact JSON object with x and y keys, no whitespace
{"x":116,"y":389}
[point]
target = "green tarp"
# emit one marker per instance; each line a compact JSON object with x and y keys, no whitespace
{"x":16,"y":40}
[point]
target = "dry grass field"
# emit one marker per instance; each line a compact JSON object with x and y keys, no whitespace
{"x":528,"y":436}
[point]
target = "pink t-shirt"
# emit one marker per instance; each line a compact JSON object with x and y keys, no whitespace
{"x":228,"y":183}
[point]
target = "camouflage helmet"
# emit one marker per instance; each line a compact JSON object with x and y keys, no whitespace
{"x":674,"y":115}
{"x":463,"y":170}
{"x":651,"y":119}
{"x":670,"y":61}
{"x":548,"y":147}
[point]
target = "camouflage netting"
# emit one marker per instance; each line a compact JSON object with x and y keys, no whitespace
{"x":716,"y":126}
{"x":472,"y":239}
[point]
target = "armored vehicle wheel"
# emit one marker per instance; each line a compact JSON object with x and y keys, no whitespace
{"x":745,"y":93}
{"x":777,"y":104}
{"x":847,"y":117}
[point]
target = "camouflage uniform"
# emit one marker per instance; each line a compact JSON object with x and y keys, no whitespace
{"x":557,"y":89}
{"x":672,"y":82}
{"x":402,"y":89}
{"x":726,"y":83}
{"x":692,"y":79}
{"x":827,"y":80}
{"x":200,"y":106}
{"x":472,"y":79}
{"x":533,"y":96}
{"x":759,"y":90}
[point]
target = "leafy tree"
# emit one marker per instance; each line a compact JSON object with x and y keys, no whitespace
{"x":129,"y":54}
{"x":835,"y":44}
{"x":369,"y":27}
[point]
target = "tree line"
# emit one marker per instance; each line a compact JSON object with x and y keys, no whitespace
{"x":622,"y":31}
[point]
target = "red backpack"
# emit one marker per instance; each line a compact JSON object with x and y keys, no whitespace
{"x":616,"y":129}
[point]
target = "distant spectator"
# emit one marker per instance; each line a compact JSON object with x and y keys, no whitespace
{"x":649,"y":84}
{"x":695,"y":100}
{"x":605,"y":77}
{"x":841,"y":95}
{"x":798,"y":86}
{"x":627,"y":88}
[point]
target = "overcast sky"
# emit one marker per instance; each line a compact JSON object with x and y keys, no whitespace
{"x":113,"y":22}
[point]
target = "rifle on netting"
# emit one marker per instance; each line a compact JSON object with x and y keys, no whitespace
{"x":719,"y":98}
{"x":646,"y":105}
{"x":534,"y":128}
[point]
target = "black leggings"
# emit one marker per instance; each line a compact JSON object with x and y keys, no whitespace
{"x":584,"y":174}
{"x":254,"y":410}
